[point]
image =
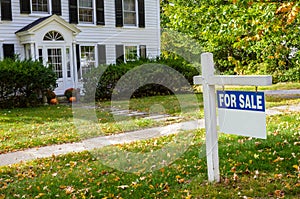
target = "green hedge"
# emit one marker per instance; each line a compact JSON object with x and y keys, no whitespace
{"x":101,"y":81}
{"x":22,"y":82}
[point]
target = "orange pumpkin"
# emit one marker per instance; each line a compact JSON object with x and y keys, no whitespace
{"x":54,"y":101}
{"x":72,"y":99}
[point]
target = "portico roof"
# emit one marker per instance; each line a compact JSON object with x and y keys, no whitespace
{"x":37,"y":24}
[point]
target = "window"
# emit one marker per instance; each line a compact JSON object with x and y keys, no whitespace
{"x":39,"y":6}
{"x":68,"y":62}
{"x":131,"y":53}
{"x":53,"y":36}
{"x":55,"y":61}
{"x":129,"y":12}
{"x":87,"y":59}
{"x":85,"y":11}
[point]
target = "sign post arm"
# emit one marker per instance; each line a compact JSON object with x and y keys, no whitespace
{"x":210,"y":118}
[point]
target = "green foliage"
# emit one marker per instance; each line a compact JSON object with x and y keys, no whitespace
{"x":246,"y":37}
{"x":249,"y":168}
{"x":101,"y":81}
{"x":22,"y":82}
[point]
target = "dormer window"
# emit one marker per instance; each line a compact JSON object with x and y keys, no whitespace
{"x":53,"y":36}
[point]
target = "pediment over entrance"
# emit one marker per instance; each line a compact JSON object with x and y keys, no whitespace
{"x":35,"y":31}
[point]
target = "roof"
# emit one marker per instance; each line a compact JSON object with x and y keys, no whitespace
{"x":31,"y":25}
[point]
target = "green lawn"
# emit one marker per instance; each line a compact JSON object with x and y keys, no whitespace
{"x":46,"y":125}
{"x":250,"y":168}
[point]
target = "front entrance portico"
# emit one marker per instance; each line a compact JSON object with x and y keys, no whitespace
{"x":52,"y":41}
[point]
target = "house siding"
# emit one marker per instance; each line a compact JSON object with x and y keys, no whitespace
{"x":109,"y":34}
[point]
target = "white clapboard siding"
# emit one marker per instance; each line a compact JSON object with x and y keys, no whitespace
{"x":108,"y":34}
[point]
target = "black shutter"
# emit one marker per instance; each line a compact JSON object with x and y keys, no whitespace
{"x":101,"y":54}
{"x":119,"y":54}
{"x":25,"y":6}
{"x":119,"y":13}
{"x":73,"y":11}
{"x":6,"y":10}
{"x":8,"y":50}
{"x":100,"y":12}
{"x":78,"y":60}
{"x":56,"y":7}
{"x":141,"y":7}
{"x":143,"y":51}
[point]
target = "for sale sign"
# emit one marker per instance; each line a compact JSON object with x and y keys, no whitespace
{"x":242,"y":113}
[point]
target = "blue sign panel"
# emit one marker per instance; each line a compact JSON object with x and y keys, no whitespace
{"x":241,"y":100}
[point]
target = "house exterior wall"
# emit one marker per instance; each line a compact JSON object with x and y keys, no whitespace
{"x":15,"y":28}
{"x":108,"y":34}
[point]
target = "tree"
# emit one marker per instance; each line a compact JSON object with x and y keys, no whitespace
{"x":246,"y":37}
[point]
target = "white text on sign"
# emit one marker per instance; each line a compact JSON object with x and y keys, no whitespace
{"x":252,"y":101}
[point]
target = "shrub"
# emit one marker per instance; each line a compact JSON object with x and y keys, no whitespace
{"x":100,"y":82}
{"x":22,"y":83}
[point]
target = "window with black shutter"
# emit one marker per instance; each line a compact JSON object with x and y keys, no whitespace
{"x":6,"y":10}
{"x":25,"y":6}
{"x":8,"y":50}
{"x":73,"y":11}
{"x":100,"y":12}
{"x":119,"y":13}
{"x":119,"y":54}
{"x":56,"y":7}
{"x":101,"y":54}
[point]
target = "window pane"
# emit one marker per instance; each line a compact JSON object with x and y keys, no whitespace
{"x":130,"y":53}
{"x":39,"y":5}
{"x":85,"y":11}
{"x":129,"y":12}
{"x":55,"y":61}
{"x":87,"y":58}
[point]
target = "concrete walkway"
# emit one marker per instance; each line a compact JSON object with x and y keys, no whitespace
{"x":98,"y":142}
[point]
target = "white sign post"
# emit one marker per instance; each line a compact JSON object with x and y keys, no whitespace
{"x":208,"y":81}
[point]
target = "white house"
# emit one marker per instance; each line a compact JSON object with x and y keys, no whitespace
{"x":74,"y":35}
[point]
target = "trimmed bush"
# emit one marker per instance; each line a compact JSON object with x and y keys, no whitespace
{"x":22,"y":83}
{"x":100,"y":82}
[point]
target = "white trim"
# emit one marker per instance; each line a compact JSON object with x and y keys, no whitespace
{"x":136,"y":16}
{"x":94,"y":22}
{"x":41,"y":14}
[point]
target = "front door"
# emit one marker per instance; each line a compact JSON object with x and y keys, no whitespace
{"x":59,"y":59}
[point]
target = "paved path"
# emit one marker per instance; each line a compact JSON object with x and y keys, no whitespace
{"x":98,"y":142}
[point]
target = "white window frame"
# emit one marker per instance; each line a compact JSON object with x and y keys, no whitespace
{"x":49,"y":9}
{"x":93,"y":13}
{"x":126,"y":54}
{"x":87,"y":62}
{"x":136,"y":15}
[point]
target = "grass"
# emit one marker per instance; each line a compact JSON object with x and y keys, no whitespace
{"x":250,"y":168}
{"x":46,"y":125}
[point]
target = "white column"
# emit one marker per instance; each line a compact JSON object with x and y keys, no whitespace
{"x":32,"y":51}
{"x":210,"y":118}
